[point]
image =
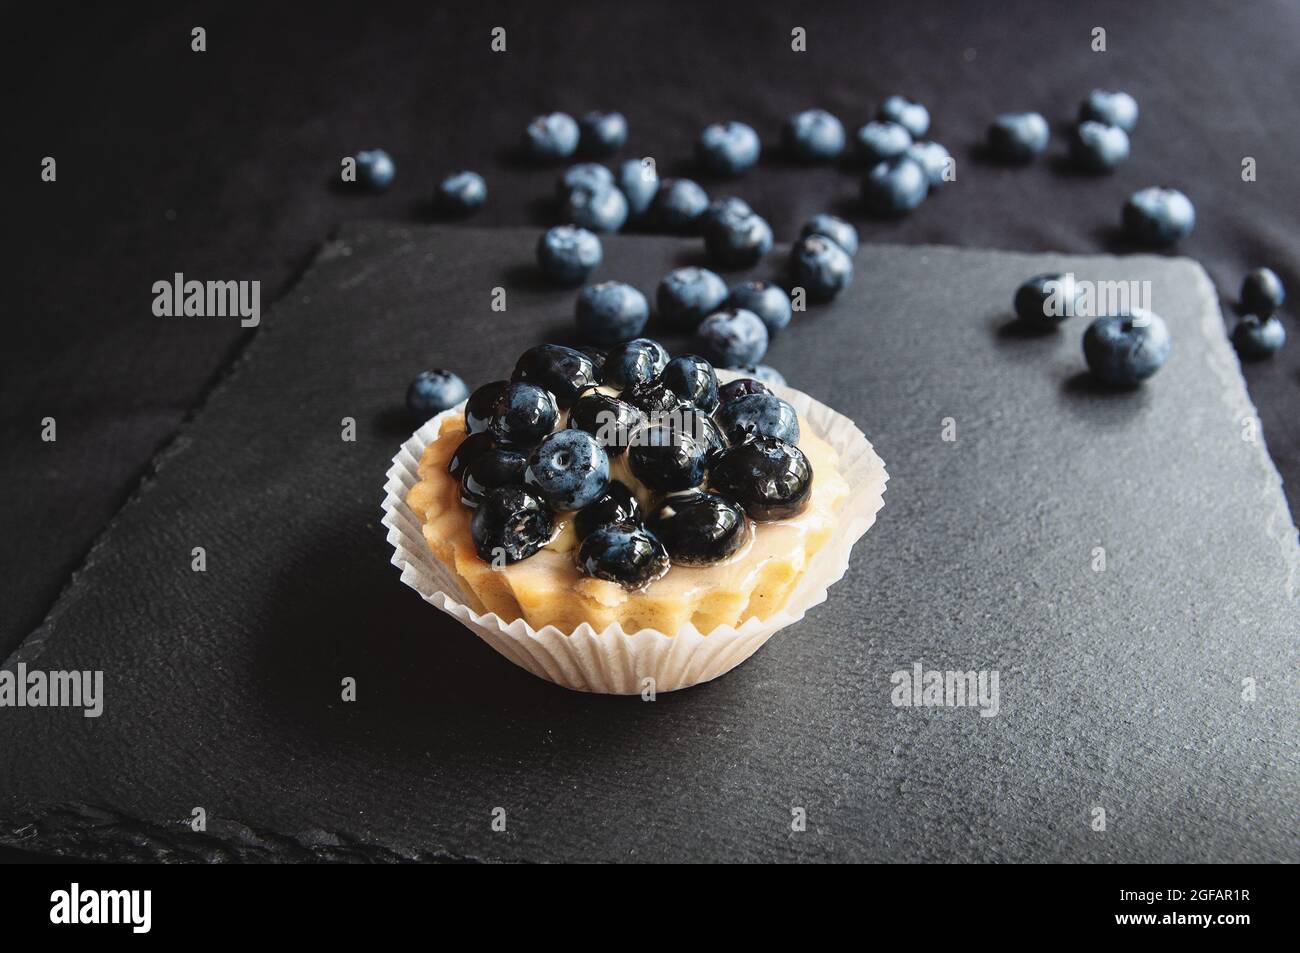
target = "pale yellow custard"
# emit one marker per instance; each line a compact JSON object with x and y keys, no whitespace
{"x":547,"y":589}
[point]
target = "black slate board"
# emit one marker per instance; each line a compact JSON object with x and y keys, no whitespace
{"x":1120,"y":690}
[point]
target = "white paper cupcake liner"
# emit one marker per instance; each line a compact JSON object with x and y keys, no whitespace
{"x":612,"y":661}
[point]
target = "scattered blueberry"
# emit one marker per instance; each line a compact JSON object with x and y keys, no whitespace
{"x":563,"y":371}
{"x":913,"y":117}
{"x":813,"y":135}
{"x":375,"y":169}
{"x":821,"y":267}
{"x":568,"y":254}
{"x":616,"y":505}
{"x":482,"y":405}
{"x":611,"y":312}
{"x":686,"y":296}
{"x":639,"y":181}
{"x":737,"y":241}
{"x":1262,"y":292}
{"x":498,"y":466}
{"x":602,"y":133}
{"x":1257,"y":337}
{"x":610,"y":420}
{"x":1018,"y":137}
{"x":569,"y":469}
{"x":591,"y":175}
{"x":432,"y":392}
{"x":699,"y":529}
{"x":679,"y":205}
{"x":1158,"y":216}
{"x":733,"y":336}
{"x":769,"y":478}
{"x":758,"y":415}
{"x":768,"y":301}
{"x":635,"y":362}
{"x":895,"y":187}
{"x":740,"y":387}
{"x":469,"y":450}
{"x":1124,"y":350}
{"x":1113,"y":109}
{"x":693,"y":380}
{"x":933,"y":158}
{"x":727,"y":148}
{"x":878,"y":141}
{"x":523,"y":414}
{"x":729,"y":206}
{"x":461,"y":193}
{"x":763,"y":372}
{"x":629,"y":555}
{"x":1096,"y":147}
{"x":599,"y":208}
{"x":666,"y":459}
{"x":510,"y":524}
{"x":834,"y":228}
{"x":551,"y":137}
{"x":1047,"y":300}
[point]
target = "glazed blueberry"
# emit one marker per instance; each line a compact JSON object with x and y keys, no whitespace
{"x":551,"y":137}
{"x":768,"y":301}
{"x":510,"y":524}
{"x":699,"y":529}
{"x":1125,"y":350}
{"x":1113,"y":109}
{"x":628,"y":555}
{"x":698,"y":424}
{"x":601,"y":208}
{"x":639,"y":181}
{"x":1047,"y":300}
{"x":1262,"y":292}
{"x":469,"y":450}
{"x":834,"y":228}
{"x":1257,"y":337}
{"x":653,"y":398}
{"x":813,"y":135}
{"x":732,"y":336}
{"x":597,"y":355}
{"x":878,"y":141}
{"x":686,"y":296}
{"x":740,"y":387}
{"x":763,"y":373}
{"x":933,"y":158}
{"x":665,"y":458}
{"x":568,"y":254}
{"x":727,"y":148}
{"x":1158,"y":216}
{"x":592,"y":175}
{"x":608,"y":419}
{"x":769,"y":478}
{"x":895,"y":187}
{"x":1018,"y":137}
{"x":601,"y":134}
{"x":492,"y":468}
{"x":679,"y":205}
{"x":482,"y":405}
{"x":615,"y":506}
{"x":913,"y":117}
{"x":569,"y":469}
{"x":432,"y":392}
{"x":635,"y":362}
{"x":375,"y":169}
{"x":1096,"y":147}
{"x":737,"y":241}
{"x":611,"y":312}
{"x":523,"y":414}
{"x":819,"y":266}
{"x":461,"y":193}
{"x":693,"y":380}
{"x":758,"y":415}
{"x":563,"y":371}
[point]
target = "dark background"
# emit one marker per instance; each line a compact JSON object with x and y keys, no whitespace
{"x":221,"y":165}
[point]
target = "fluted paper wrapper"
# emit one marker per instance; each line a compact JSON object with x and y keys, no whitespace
{"x":612,"y":661}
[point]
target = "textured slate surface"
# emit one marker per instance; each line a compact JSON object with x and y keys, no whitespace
{"x":1120,"y":689}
